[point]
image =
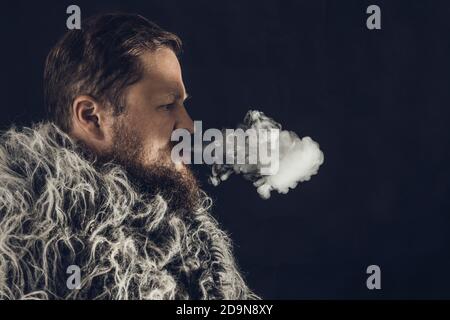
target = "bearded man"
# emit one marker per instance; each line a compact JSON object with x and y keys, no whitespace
{"x":95,"y":187}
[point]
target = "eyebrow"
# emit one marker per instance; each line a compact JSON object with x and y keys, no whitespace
{"x":177,"y":96}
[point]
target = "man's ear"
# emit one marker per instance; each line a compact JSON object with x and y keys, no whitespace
{"x":91,"y":122}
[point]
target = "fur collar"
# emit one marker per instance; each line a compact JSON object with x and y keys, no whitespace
{"x":57,"y":209}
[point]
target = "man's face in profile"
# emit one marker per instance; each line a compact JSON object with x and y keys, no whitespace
{"x":141,"y":136}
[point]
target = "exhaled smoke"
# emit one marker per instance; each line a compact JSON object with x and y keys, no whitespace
{"x":297,"y":159}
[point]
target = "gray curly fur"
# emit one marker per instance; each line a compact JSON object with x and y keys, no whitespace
{"x":58,"y":209}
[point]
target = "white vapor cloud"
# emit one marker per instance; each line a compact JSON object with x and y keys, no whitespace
{"x":299,"y":160}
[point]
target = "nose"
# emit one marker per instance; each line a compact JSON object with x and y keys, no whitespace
{"x":184,"y":121}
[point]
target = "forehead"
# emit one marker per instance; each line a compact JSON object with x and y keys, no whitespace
{"x":162,"y":72}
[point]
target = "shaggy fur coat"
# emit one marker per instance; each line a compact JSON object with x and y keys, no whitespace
{"x":57,"y":209}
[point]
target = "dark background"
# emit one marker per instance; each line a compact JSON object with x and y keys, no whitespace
{"x":376,"y":101}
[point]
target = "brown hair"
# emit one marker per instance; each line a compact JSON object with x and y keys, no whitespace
{"x":100,"y":60}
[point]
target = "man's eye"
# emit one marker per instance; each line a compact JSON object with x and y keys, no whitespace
{"x":168,"y":106}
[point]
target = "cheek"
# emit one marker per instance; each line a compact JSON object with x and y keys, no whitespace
{"x":157,"y":135}
{"x":163,"y":130}
{"x":154,"y":125}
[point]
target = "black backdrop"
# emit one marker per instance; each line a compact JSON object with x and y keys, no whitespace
{"x":376,"y":101}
